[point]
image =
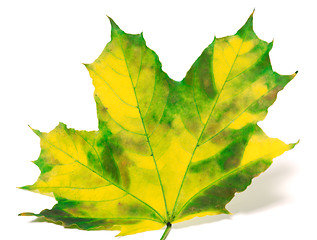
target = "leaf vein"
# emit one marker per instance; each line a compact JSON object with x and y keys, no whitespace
{"x":108,"y":180}
{"x":145,"y":131}
{"x":197,"y":144}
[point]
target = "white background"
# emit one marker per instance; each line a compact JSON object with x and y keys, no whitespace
{"x":42,"y":82}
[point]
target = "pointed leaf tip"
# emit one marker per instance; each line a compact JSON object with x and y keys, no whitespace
{"x":113,"y":24}
{"x":270,"y":46}
{"x":37,"y":132}
{"x":27,"y":187}
{"x":294,"y":74}
{"x":114,"y":27}
{"x":27,"y":214}
{"x":292,"y":145}
{"x":248,"y":26}
{"x":250,"y":19}
{"x":87,"y":65}
{"x":252,"y":12}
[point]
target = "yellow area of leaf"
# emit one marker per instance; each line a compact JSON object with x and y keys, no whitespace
{"x":263,"y":147}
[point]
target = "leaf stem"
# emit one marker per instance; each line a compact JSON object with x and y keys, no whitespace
{"x":167,"y":231}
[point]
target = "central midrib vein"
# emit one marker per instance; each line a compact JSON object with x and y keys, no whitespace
{"x":143,"y":124}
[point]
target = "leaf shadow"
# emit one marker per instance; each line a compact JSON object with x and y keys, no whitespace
{"x":265,"y":191}
{"x":38,"y":219}
{"x":201,"y":220}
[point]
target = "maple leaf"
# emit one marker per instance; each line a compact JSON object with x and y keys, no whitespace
{"x":165,"y":151}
